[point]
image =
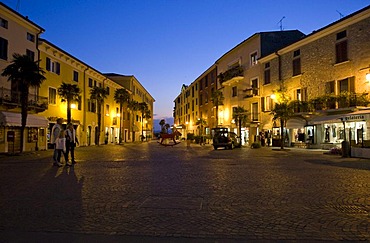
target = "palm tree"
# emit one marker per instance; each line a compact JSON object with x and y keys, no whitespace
{"x":99,"y":94}
{"x":201,"y":122}
{"x":217,"y":99}
{"x":69,"y":93}
{"x":147,"y":115}
{"x":143,"y":107}
{"x":24,"y":73}
{"x":133,"y":106}
{"x":121,"y":96}
{"x":240,"y":116}
{"x":283,"y":112}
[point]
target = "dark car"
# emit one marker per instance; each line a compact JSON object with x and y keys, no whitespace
{"x":227,"y":140}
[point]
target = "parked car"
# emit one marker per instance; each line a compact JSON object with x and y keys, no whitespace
{"x":227,"y":140}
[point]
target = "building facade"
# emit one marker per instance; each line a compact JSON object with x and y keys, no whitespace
{"x":19,"y":35}
{"x":326,"y":70}
{"x":240,"y":80}
{"x":326,"y":74}
{"x":135,"y":125}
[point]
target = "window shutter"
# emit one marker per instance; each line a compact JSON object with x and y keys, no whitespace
{"x":351,"y":81}
{"x":263,"y":108}
{"x":304,"y":94}
{"x":48,"y":64}
{"x":57,"y":66}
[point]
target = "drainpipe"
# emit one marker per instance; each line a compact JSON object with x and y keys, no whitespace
{"x":37,"y":89}
{"x":103,"y":115}
{"x":84,"y":104}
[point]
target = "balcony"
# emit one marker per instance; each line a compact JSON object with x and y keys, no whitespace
{"x":11,"y":100}
{"x":344,"y":100}
{"x":251,"y":92}
{"x":232,"y":75}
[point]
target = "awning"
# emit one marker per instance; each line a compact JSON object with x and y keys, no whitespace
{"x":326,"y":119}
{"x":295,"y":123}
{"x":12,"y":119}
{"x":360,"y":115}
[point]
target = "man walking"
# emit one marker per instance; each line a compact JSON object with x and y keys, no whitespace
{"x":55,"y":133}
{"x":71,"y":141}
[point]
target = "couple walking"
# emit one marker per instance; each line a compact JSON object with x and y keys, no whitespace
{"x":64,"y":142}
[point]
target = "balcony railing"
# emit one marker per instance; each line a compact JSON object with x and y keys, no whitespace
{"x":12,"y":99}
{"x":330,"y":102}
{"x":233,"y":72}
{"x":251,"y":92}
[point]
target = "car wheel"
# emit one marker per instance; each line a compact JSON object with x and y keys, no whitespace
{"x":215,"y":147}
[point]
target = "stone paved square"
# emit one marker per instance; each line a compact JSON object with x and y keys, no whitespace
{"x":148,"y":193}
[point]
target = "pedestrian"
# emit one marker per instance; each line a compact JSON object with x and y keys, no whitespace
{"x":55,"y":133}
{"x":71,"y":141}
{"x":60,"y":146}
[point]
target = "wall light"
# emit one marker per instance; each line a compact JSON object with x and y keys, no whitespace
{"x":368,"y":77}
{"x":73,"y":106}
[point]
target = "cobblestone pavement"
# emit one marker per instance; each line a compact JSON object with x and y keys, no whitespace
{"x":150,"y":193}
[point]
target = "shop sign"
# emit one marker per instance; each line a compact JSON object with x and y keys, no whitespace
{"x":353,"y":118}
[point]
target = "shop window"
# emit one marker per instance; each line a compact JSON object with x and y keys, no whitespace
{"x":32,"y":134}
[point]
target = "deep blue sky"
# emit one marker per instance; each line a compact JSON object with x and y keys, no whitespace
{"x":167,"y":43}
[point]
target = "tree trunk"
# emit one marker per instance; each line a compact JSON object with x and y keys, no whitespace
{"x":282,"y":133}
{"x":240,"y":128}
{"x":120,"y":123}
{"x":99,"y":123}
{"x":24,"y":102}
{"x":69,"y":115}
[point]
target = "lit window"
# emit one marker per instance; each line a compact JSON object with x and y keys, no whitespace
{"x":253,"y":58}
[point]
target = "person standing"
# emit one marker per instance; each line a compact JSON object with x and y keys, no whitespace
{"x":55,"y":133}
{"x":71,"y":141}
{"x":60,"y":146}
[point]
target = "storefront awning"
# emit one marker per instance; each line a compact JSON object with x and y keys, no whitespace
{"x":353,"y":116}
{"x":13,"y":119}
{"x":295,"y":123}
{"x":326,"y":119}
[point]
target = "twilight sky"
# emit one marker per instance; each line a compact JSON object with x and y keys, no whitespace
{"x":167,"y":43}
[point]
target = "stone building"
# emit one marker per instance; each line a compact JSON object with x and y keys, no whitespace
{"x":327,"y":71}
{"x":240,"y":81}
